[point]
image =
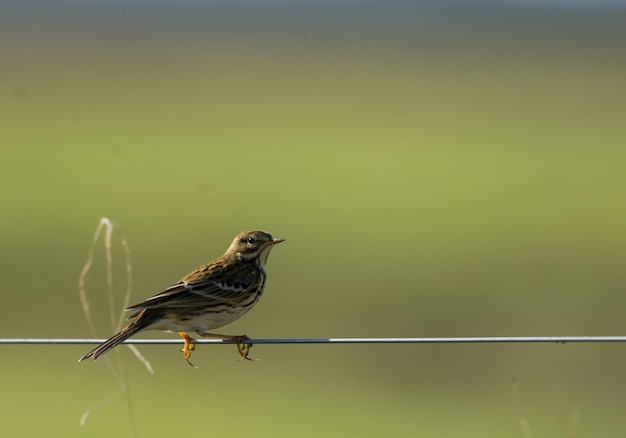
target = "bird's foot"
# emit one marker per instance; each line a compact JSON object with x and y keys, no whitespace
{"x":188,"y":347}
{"x":243,"y":347}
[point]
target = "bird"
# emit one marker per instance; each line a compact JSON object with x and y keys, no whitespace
{"x":209,"y":297}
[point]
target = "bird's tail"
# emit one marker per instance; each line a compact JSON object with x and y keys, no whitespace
{"x":138,"y":324}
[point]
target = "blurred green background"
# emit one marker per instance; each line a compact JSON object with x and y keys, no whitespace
{"x":437,"y":170}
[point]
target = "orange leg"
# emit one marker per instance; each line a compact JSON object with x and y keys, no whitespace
{"x":188,"y":347}
{"x":242,"y":347}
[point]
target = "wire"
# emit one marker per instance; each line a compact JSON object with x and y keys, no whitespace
{"x":449,"y":340}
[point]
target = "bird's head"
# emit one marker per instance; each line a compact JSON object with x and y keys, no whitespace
{"x":250,"y":245}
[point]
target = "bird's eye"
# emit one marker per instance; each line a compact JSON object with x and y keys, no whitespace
{"x":250,"y":240}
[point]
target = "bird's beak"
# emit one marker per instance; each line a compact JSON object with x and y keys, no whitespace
{"x":274,"y":241}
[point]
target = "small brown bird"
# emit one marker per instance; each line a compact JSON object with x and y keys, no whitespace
{"x":207,"y":298}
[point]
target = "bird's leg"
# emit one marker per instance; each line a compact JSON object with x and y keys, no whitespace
{"x":242,"y":348}
{"x":188,"y":347}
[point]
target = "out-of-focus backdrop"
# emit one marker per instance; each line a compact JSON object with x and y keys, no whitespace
{"x":436,"y":169}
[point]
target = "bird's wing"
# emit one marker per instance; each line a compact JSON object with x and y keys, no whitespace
{"x":199,"y":290}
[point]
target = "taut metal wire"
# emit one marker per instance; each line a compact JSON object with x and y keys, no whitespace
{"x":448,"y":340}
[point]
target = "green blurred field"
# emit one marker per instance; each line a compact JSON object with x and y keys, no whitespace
{"x":437,"y":182}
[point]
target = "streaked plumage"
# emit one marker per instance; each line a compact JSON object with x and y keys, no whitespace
{"x":207,"y":298}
